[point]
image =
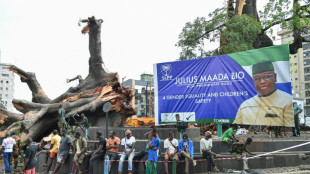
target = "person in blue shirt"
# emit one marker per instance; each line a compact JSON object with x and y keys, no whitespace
{"x":153,"y":145}
{"x":186,"y":150}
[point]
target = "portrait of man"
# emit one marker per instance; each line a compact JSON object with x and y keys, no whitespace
{"x":270,"y":106}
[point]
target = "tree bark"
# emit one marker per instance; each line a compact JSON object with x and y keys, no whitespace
{"x":250,"y":9}
{"x":10,"y":116}
{"x":38,"y":94}
{"x":88,"y":96}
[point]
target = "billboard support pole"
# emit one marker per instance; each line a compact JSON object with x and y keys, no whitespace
{"x":219,"y":129}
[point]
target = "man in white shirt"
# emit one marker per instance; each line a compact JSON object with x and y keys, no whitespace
{"x":205,"y":150}
{"x":128,"y":146}
{"x":171,"y":147}
{"x":8,"y":144}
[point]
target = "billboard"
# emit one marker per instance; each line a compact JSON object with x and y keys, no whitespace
{"x":251,"y":87}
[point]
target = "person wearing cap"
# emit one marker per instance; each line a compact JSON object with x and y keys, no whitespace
{"x":112,"y":147}
{"x":171,"y":147}
{"x":128,"y":146}
{"x":186,"y":150}
{"x":205,"y":150}
{"x":54,"y":148}
{"x":297,"y":111}
{"x":79,"y":150}
{"x":153,"y":145}
{"x":64,"y":149}
{"x":270,"y":106}
{"x":96,"y":154}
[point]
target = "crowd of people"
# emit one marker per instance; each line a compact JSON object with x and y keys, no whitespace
{"x":59,"y":145}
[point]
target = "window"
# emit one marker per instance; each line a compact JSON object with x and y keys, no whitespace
{"x":5,"y":75}
{"x":308,"y":102}
{"x":296,"y":78}
{"x":7,"y":88}
{"x":307,"y":77}
{"x":305,"y":31}
{"x":306,"y":46}
{"x":296,"y":86}
{"x":6,"y":95}
{"x":307,"y":70}
{"x":7,"y":82}
{"x":307,"y":37}
{"x":5,"y":67}
{"x":306,"y":54}
{"x":307,"y":62}
{"x":1,"y":81}
{"x":1,"y":88}
{"x":295,"y":63}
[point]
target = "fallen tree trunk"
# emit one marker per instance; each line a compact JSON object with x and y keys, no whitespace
{"x":88,"y":96}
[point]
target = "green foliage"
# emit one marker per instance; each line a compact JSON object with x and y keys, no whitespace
{"x":239,"y":32}
{"x":71,"y":131}
{"x":23,"y":144}
{"x":19,"y":128}
{"x":275,"y":11}
{"x":282,"y":12}
{"x":238,"y":38}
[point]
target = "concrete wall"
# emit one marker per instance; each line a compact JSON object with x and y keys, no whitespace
{"x":259,"y":163}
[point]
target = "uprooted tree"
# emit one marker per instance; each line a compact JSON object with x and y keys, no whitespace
{"x":88,"y":96}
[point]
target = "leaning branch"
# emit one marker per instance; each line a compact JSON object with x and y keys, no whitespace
{"x":207,"y":32}
{"x":278,"y":22}
{"x":38,"y":94}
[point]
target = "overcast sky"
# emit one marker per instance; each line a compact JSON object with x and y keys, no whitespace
{"x":44,"y":37}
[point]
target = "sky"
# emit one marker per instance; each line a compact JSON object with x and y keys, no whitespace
{"x":44,"y":37}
